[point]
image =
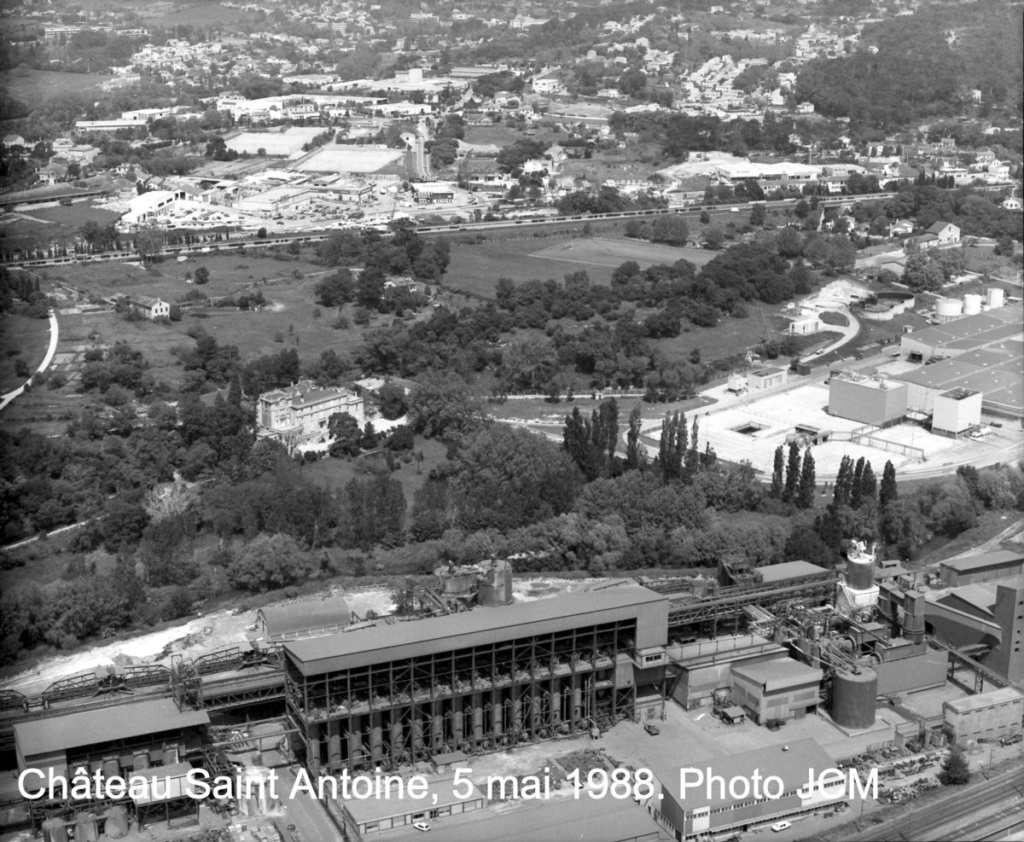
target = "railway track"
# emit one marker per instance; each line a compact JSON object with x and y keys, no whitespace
{"x":952,"y":818}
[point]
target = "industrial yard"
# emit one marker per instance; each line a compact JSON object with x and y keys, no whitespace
{"x":494,"y":679}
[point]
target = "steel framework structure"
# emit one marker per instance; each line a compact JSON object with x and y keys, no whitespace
{"x":474,"y":699}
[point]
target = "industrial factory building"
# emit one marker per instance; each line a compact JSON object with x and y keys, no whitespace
{"x":303,"y":618}
{"x":871,"y":400}
{"x":477,"y":680}
{"x":779,"y":689}
{"x":979,"y":353}
{"x":985,"y":716}
{"x":113,"y":740}
{"x":691,"y":814}
{"x":982,"y":567}
{"x":986,"y":618}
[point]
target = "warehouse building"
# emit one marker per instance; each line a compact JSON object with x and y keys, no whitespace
{"x":779,"y":689}
{"x":692,"y":814}
{"x":956,"y":412}
{"x":701,"y":671}
{"x":276,"y":201}
{"x":986,"y":617}
{"x":476,"y":681}
{"x":433,"y":194}
{"x":985,"y":716}
{"x":113,"y":740}
{"x":875,"y":401}
{"x":303,"y":618}
{"x":981,"y":567}
{"x":361,"y":818}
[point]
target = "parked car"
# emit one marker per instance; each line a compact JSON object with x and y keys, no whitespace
{"x":778,"y":827}
{"x":652,"y":729}
{"x":1011,"y":741}
{"x":424,"y":826}
{"x":774,"y":724}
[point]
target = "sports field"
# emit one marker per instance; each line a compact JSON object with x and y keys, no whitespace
{"x":598,"y":251}
{"x":350,"y":159}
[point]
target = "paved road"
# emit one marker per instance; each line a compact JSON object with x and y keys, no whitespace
{"x":850,"y":331}
{"x":50,"y":351}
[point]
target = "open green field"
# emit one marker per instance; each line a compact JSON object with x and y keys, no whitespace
{"x":43,"y":226}
{"x":501,"y":135}
{"x":599,"y":251}
{"x":21,"y":338}
{"x":35,"y":86}
{"x":475,"y":268}
{"x":202,"y":14}
{"x":73,"y":216}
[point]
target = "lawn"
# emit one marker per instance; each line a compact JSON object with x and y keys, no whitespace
{"x":21,"y":338}
{"x":72,"y":216}
{"x":35,"y":86}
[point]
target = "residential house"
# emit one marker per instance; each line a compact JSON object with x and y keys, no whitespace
{"x":300,"y":414}
{"x":151,"y":308}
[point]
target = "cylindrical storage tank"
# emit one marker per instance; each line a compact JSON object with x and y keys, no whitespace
{"x":860,"y":575}
{"x":949,"y":308}
{"x":913,"y":617}
{"x":334,"y":750}
{"x":86,"y":828}
{"x":111,"y":768}
{"x":494,"y":585}
{"x":972,"y":304}
{"x":117,"y":822}
{"x":54,"y":830}
{"x":853,"y":699}
{"x":995,"y":297}
{"x":455,"y":581}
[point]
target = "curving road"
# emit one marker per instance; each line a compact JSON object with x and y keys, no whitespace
{"x":50,"y":351}
{"x":850,"y":331}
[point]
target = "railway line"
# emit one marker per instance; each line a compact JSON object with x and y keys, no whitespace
{"x":954,"y":816}
{"x":314,"y":235}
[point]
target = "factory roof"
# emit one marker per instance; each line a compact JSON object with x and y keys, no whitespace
{"x":791,"y":766}
{"x":774,"y":675}
{"x":561,"y":818}
{"x":484,"y":625}
{"x":789,"y":570}
{"x":440,"y":793}
{"x":978,"y":596}
{"x":980,"y":701}
{"x":45,"y":736}
{"x":979,"y":561}
{"x":960,"y":329}
{"x":304,"y":615}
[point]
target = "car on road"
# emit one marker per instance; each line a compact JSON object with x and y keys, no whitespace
{"x":778,"y":827}
{"x":424,"y":826}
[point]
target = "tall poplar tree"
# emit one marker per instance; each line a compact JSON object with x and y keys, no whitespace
{"x":792,"y":473}
{"x":805,"y":494}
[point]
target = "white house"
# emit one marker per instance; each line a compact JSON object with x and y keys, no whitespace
{"x":300,"y":413}
{"x":151,"y":308}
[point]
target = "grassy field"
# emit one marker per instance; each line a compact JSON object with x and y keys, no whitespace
{"x":202,"y":14}
{"x":35,"y":86}
{"x":72,"y":216}
{"x":43,"y":226}
{"x":476,"y":268}
{"x":599,"y":251}
{"x":21,"y":338}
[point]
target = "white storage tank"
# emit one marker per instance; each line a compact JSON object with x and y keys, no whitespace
{"x":995,"y":297}
{"x":972,"y":304}
{"x":947,"y":309}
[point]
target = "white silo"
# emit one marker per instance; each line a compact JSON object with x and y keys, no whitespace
{"x":995,"y":297}
{"x":947,"y":309}
{"x":972,"y":304}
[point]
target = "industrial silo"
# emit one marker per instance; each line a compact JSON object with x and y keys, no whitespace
{"x":853,"y":698}
{"x":86,"y":827}
{"x":948,"y":309}
{"x":995,"y":297}
{"x":860,"y":572}
{"x":54,"y":830}
{"x":972,"y":304}
{"x":913,"y":616}
{"x":116,"y":826}
{"x":457,"y":581}
{"x":494,"y":583}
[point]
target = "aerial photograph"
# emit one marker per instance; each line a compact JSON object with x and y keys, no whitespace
{"x":572,"y":421}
